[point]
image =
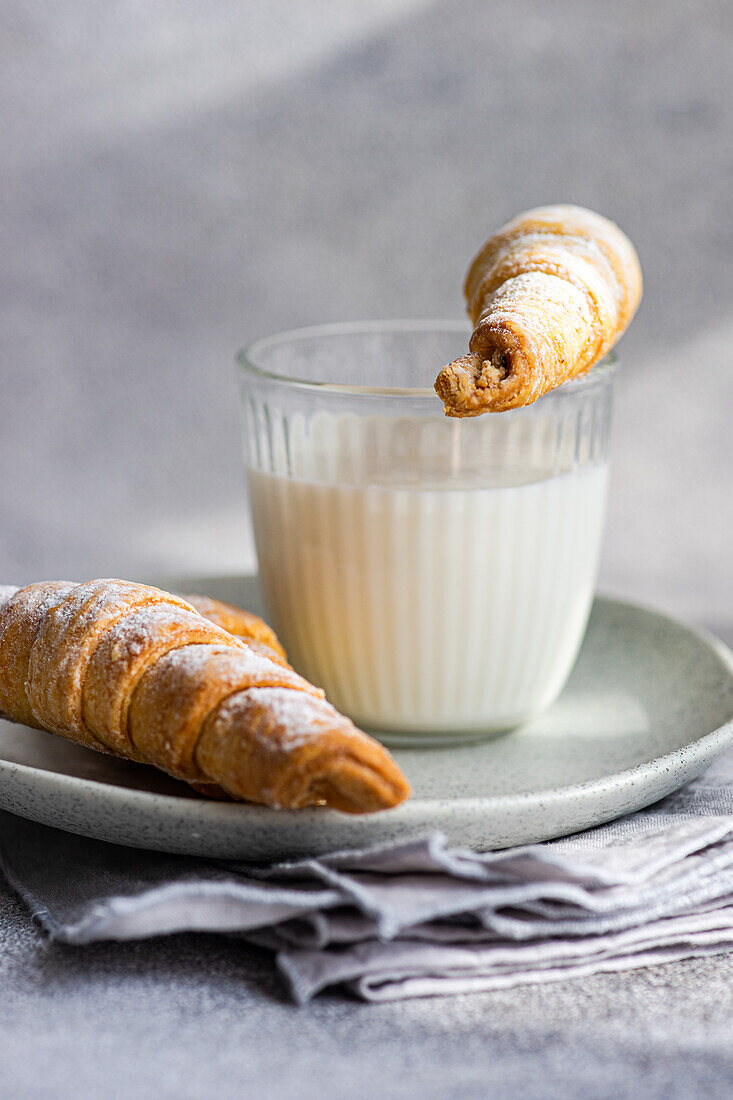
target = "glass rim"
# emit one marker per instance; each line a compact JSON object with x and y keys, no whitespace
{"x":598,"y":372}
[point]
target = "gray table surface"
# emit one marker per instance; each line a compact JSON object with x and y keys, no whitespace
{"x":197,"y":1016}
{"x":181,"y":177}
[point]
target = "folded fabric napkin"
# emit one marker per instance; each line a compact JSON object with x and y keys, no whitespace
{"x":416,"y":918}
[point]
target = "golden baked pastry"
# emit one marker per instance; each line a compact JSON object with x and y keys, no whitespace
{"x":244,"y":624}
{"x":131,"y":670}
{"x":548,"y":295}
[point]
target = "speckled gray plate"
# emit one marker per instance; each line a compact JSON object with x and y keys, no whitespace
{"x":648,"y":707}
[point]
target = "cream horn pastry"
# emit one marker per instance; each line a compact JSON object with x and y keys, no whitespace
{"x":137,"y":672}
{"x":548,"y":296}
{"x":244,"y":624}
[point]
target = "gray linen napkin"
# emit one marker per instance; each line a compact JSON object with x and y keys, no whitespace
{"x":417,"y":918}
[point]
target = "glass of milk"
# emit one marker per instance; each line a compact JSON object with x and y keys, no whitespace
{"x":434,"y":575}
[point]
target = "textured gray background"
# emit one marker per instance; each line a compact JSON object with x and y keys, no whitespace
{"x":177,"y":178}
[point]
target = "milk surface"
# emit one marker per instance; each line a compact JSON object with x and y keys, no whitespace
{"x":432,"y":610}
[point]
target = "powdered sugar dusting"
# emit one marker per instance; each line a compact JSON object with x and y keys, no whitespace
{"x":108,"y":598}
{"x":68,"y":636}
{"x":191,"y":659}
{"x":142,"y":629}
{"x":6,"y":591}
{"x":300,"y":718}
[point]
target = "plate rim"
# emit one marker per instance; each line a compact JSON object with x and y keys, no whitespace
{"x":714,"y":742}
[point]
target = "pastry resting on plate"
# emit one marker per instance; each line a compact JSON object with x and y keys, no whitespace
{"x":137,"y":672}
{"x":548,"y":295}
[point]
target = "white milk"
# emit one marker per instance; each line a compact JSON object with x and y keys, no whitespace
{"x":432,"y":610}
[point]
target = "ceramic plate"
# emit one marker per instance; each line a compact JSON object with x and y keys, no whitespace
{"x":647,"y":708}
